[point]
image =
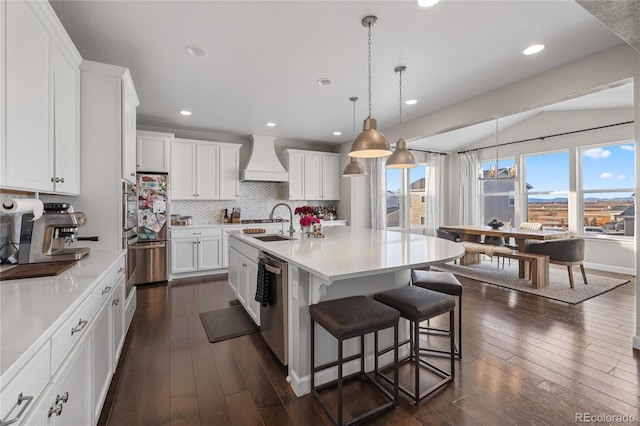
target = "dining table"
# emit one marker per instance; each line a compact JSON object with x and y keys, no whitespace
{"x":471,"y":233}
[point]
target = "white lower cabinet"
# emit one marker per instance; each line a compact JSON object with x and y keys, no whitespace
{"x":66,"y":380}
{"x":243,"y":278}
{"x":117,"y":308}
{"x":71,"y":402}
{"x":130,"y":308}
{"x":102,"y":364}
{"x":196,"y":249}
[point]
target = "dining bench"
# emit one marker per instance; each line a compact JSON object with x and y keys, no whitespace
{"x":538,"y":263}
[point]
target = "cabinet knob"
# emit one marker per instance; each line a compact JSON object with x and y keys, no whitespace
{"x":64,"y":398}
{"x":57,"y":410}
{"x":115,"y":301}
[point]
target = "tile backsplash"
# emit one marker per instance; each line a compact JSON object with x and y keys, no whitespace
{"x":255,"y":202}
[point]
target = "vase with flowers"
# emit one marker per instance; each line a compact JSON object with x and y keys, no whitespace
{"x":307,"y":219}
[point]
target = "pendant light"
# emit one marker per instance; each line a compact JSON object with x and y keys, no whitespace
{"x":354,"y":168}
{"x":494,"y":169}
{"x":401,"y":157}
{"x":370,"y":143}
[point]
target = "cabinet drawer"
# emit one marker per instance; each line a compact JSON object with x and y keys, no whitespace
{"x":102,"y":291}
{"x":130,"y":308}
{"x":195,"y":232}
{"x":29,"y":383}
{"x":70,"y":332}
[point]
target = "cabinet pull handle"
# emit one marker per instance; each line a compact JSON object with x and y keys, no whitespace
{"x":132,"y":174}
{"x":79,"y":327}
{"x":57,"y":410}
{"x":197,"y":233}
{"x":21,"y":399}
{"x":53,"y":179}
{"x":61,"y":180}
{"x":64,"y":398}
{"x":115,"y":301}
{"x":107,"y":289}
{"x":120,"y":270}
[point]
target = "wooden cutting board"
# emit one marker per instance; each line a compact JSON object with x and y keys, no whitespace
{"x":34,"y":270}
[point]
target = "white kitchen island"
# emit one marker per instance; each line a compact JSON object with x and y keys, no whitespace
{"x":346,"y":262}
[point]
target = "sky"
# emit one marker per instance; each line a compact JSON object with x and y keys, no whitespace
{"x":394,"y":177}
{"x":611,"y":167}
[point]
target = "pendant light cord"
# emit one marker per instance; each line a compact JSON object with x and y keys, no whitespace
{"x":353,"y":130}
{"x":400,"y":128}
{"x":369,"y":59}
{"x":497,"y":159}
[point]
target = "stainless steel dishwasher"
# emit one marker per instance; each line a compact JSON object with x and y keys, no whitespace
{"x":274,"y":318}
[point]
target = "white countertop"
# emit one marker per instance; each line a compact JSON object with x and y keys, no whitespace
{"x":347,"y":252}
{"x":32,"y":308}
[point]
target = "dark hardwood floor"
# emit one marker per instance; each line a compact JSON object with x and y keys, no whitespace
{"x":527,"y":361}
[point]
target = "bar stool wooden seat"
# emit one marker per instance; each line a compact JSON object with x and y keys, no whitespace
{"x":344,"y":319}
{"x":442,"y":282}
{"x":417,"y":304}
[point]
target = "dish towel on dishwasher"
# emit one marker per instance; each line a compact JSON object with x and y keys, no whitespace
{"x":265,"y":291}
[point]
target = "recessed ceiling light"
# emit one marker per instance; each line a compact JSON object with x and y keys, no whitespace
{"x":197,"y":50}
{"x":185,"y":112}
{"x":411,"y":101}
{"x":271,"y":124}
{"x":337,"y":133}
{"x":324,"y":81}
{"x":534,"y":48}
{"x":427,"y":3}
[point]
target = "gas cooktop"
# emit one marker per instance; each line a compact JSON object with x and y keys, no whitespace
{"x":264,"y":220}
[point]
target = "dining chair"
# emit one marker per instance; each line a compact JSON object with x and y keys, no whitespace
{"x":568,"y":252}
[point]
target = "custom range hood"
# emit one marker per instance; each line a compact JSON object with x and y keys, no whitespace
{"x":263,"y":164}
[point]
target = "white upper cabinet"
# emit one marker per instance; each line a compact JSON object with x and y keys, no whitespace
{"x":313,"y":175}
{"x":203,"y":170}
{"x":39,"y":106}
{"x":229,"y":167}
{"x":129,"y":104}
{"x":153,"y":151}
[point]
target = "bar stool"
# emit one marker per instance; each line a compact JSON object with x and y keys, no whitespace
{"x":442,"y":282}
{"x":417,"y":304}
{"x":344,"y":319}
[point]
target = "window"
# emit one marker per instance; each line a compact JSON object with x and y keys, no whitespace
{"x":417,"y":185}
{"x":406,"y":197}
{"x":547,"y":189}
{"x":497,"y":195}
{"x":608,"y":181}
{"x":394,"y":192}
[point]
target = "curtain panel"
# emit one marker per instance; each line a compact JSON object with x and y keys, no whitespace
{"x":377,"y":178}
{"x":469,"y":212}
{"x":433,"y":193}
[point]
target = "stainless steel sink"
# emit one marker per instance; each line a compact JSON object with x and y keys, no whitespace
{"x":272,"y":237}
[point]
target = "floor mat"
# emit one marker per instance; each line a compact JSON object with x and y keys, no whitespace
{"x":227,"y":323}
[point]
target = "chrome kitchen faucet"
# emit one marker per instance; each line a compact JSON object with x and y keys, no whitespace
{"x":291,"y":230}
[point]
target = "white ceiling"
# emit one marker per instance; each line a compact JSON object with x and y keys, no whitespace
{"x":265,"y":57}
{"x":616,"y":97}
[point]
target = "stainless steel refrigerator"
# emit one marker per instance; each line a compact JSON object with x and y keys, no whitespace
{"x":151,"y":249}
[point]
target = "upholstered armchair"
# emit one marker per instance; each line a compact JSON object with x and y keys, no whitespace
{"x":568,"y":252}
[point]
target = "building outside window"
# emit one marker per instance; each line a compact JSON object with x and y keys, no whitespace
{"x":547,"y":185}
{"x":406,"y":207}
{"x":607,"y":183}
{"x":497,"y":195}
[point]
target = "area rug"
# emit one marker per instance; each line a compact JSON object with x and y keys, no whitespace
{"x":227,"y":323}
{"x":558,"y":281}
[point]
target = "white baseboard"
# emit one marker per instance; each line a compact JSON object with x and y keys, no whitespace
{"x":610,"y":268}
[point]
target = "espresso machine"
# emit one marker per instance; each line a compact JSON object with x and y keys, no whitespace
{"x":46,"y":239}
